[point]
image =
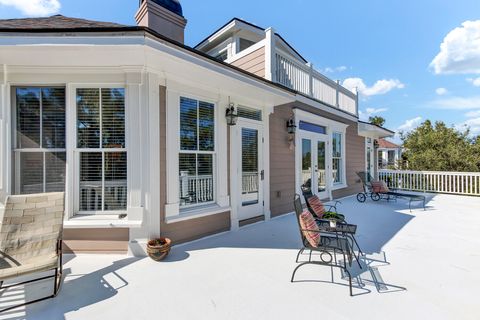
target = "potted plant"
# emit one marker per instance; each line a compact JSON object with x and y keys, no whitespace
{"x":158,"y":249}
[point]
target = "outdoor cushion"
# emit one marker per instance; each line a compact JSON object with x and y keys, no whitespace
{"x":317,"y":206}
{"x":12,"y":268}
{"x":307,"y":222}
{"x":380,"y":187}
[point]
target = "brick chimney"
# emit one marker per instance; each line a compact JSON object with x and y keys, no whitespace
{"x":164,"y":17}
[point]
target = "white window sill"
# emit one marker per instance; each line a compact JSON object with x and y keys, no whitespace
{"x":100,"y":221}
{"x":194,"y":213}
{"x":339,"y":186}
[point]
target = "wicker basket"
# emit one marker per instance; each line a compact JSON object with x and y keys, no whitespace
{"x":158,"y":249}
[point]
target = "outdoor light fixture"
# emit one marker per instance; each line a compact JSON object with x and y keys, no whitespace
{"x":291,"y":127}
{"x":231,"y":115}
{"x":376,"y":144}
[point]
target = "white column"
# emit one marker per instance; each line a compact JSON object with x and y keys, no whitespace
{"x":266,"y":162}
{"x":2,"y":133}
{"x":172,"y":207}
{"x":270,"y":58}
{"x":223,"y":199}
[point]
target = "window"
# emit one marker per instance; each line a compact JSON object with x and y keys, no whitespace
{"x":222,"y":56}
{"x":39,"y":140}
{"x":312,"y":127}
{"x":337,"y":158}
{"x":245,"y":44}
{"x":391,"y":157}
{"x":102,"y":154}
{"x":249,"y":113}
{"x":197,"y":152}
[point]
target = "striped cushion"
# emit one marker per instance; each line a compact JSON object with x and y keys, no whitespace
{"x":307,"y":222}
{"x":379,"y":187}
{"x":317,"y":206}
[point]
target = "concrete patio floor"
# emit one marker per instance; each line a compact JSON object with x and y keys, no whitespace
{"x":421,"y":265}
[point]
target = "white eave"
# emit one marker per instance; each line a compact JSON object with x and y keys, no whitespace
{"x":373,"y":131}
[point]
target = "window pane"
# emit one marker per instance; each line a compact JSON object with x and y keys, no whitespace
{"x":337,"y":145}
{"x":31,"y":172}
{"x":321,"y":166}
{"x":28,"y":117}
{"x":90,"y":181}
{"x":88,"y":118}
{"x":113,"y":118}
{"x":206,"y":120}
{"x":312,"y":127}
{"x":337,"y":170}
{"x":187,"y":174}
{"x":250,"y":174}
{"x":249,"y":113}
{"x":115,"y":181}
{"x":306,"y":165}
{"x":55,"y":171}
{"x":188,"y":124}
{"x":205,"y":178}
{"x":53,"y":117}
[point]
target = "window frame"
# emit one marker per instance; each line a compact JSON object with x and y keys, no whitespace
{"x":76,"y":151}
{"x":342,"y":181}
{"x":17,"y":151}
{"x":197,"y":152}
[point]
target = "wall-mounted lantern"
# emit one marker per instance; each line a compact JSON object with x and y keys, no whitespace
{"x":291,"y":127}
{"x":376,"y":144}
{"x":231,"y":115}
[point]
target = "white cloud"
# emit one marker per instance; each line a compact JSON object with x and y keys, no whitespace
{"x":472,"y":114}
{"x":458,"y":103}
{"x":441,"y":91}
{"x":459,"y":51}
{"x":33,"y":8}
{"x":365,"y":115}
{"x":472,"y":124}
{"x":335,"y":69}
{"x":380,"y":87}
{"x":411,"y":124}
{"x":475,"y":82}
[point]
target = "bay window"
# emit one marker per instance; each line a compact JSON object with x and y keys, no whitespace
{"x":39,"y":140}
{"x":337,"y":158}
{"x":197,"y":152}
{"x":101,"y":150}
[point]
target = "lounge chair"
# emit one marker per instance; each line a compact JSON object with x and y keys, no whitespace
{"x":378,"y":190}
{"x":320,"y":210}
{"x":31,"y":240}
{"x":326,"y":244}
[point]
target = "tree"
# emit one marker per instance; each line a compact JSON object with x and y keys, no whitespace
{"x":441,"y":148}
{"x":377,"y":120}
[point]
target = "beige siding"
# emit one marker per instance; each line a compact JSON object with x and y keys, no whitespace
{"x":95,"y":240}
{"x":191,"y":229}
{"x":253,"y":62}
{"x":282,"y":163}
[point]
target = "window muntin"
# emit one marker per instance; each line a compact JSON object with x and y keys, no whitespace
{"x":197,"y":152}
{"x":102,"y":150}
{"x":39,"y":140}
{"x":337,"y":157}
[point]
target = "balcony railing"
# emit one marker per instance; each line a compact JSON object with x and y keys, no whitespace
{"x":305,"y":79}
{"x":463,"y":183}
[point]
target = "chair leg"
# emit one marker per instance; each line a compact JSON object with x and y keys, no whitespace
{"x":349,"y":281}
{"x":299,"y":253}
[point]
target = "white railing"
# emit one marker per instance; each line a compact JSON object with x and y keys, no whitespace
{"x":249,"y":182}
{"x":303,"y":78}
{"x":465,"y":183}
{"x":91,"y":195}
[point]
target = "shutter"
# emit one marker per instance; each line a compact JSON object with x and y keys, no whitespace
{"x":113,"y":118}
{"x":88,"y":118}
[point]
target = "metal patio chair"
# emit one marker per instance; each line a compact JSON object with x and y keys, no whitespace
{"x":328,"y":245}
{"x":31,"y":240}
{"x":383,"y":192}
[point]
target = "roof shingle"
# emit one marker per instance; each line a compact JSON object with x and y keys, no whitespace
{"x":55,"y":22}
{"x":382,"y":143}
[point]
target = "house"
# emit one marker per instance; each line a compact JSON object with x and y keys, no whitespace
{"x":132,"y":124}
{"x":389,"y":154}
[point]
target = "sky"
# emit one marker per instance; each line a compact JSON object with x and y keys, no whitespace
{"x":411,"y":60}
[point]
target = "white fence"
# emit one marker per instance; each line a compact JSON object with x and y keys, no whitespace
{"x":465,"y":183}
{"x":305,"y":79}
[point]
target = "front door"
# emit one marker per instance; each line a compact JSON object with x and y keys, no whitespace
{"x":314,"y":169}
{"x":251,"y":173}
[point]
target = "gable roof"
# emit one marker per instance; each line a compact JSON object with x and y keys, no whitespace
{"x":55,"y":22}
{"x":382,"y":143}
{"x":253,"y":26}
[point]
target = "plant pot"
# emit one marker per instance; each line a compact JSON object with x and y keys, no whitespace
{"x":158,"y":249}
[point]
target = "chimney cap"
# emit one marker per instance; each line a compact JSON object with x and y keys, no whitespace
{"x":171,"y":5}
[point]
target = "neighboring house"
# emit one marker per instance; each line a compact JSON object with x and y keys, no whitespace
{"x":132,"y":124}
{"x":389,"y":154}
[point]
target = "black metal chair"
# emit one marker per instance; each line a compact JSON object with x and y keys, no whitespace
{"x":377,"y":194}
{"x":328,"y":247}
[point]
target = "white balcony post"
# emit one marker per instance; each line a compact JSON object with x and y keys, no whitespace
{"x":270,"y":57}
{"x":310,"y":79}
{"x":356,"y":101}
{"x":337,"y":103}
